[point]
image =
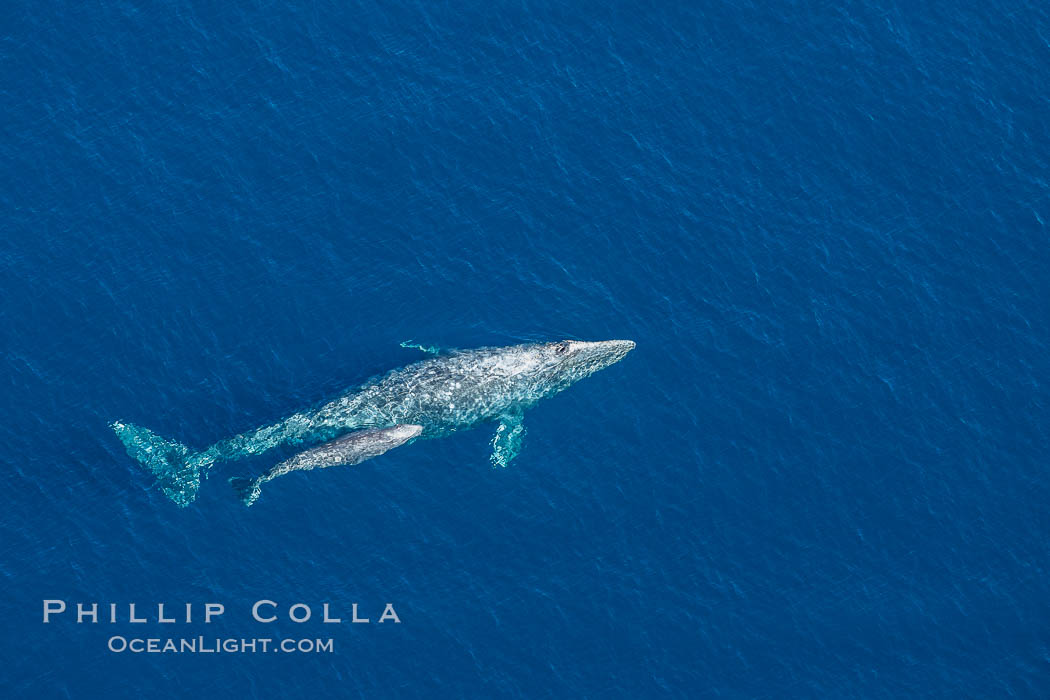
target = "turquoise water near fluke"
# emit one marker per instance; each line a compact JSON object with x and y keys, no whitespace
{"x":822,"y":472}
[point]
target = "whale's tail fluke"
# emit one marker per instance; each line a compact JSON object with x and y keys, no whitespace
{"x":247,"y":490}
{"x":177,"y":467}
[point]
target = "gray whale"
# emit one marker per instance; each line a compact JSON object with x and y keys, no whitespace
{"x":446,"y":392}
{"x":347,"y":450}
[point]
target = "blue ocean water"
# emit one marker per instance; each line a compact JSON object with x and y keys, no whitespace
{"x":822,"y":473}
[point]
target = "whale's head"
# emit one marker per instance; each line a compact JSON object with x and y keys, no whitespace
{"x":563,"y":363}
{"x":403,"y":432}
{"x":372,"y":443}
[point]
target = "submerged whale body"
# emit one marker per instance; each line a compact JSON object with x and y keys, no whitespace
{"x":347,"y":450}
{"x":447,"y":392}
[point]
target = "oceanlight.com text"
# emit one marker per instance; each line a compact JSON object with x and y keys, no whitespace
{"x":217,"y":645}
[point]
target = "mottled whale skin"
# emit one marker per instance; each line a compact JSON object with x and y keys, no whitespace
{"x":347,"y":450}
{"x":447,"y":392}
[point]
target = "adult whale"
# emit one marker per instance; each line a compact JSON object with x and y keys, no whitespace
{"x":451,"y":391}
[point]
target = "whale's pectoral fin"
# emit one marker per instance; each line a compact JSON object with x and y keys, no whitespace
{"x":428,"y":349}
{"x":507,"y":442}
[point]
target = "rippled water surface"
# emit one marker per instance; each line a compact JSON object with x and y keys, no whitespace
{"x":822,"y":473}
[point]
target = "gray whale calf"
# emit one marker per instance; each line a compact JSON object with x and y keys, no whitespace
{"x":448,"y":392}
{"x":347,"y":450}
